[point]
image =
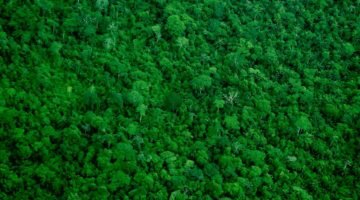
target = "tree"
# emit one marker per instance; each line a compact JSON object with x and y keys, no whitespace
{"x":157,"y":31}
{"x":201,"y":82}
{"x":349,"y":49}
{"x":303,"y":123}
{"x":135,"y":98}
{"x":232,"y":122}
{"x":101,"y":4}
{"x":182,"y":42}
{"x":231,"y":97}
{"x":219,"y":103}
{"x":141,"y":109}
{"x":175,"y":26}
{"x":254,"y":156}
{"x":124,"y":151}
{"x":141,"y":86}
{"x":91,"y":98}
{"x":173,"y":101}
{"x":234,"y":189}
{"x":215,"y":189}
{"x":119,"y":180}
{"x":263,"y":106}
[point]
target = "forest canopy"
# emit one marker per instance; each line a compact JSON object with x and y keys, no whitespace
{"x":168,"y":99}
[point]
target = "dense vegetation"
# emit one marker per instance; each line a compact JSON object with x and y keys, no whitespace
{"x":166,"y":99}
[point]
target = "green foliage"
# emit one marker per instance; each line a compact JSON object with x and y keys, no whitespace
{"x":91,"y":98}
{"x":232,"y":122}
{"x":201,"y":82}
{"x":135,"y":98}
{"x":172,"y":101}
{"x":175,"y":26}
{"x":141,"y":109}
{"x":182,"y":42}
{"x":157,"y":31}
{"x":162,"y":99}
{"x":235,"y":190}
{"x":303,"y":123}
{"x":119,"y":180}
{"x":101,"y":4}
{"x":254,"y":156}
{"x":263,"y":106}
{"x":349,"y":49}
{"x":124,"y":151}
{"x":219,"y":103}
{"x":55,"y":48}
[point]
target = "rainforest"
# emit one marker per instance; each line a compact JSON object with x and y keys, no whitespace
{"x":177,"y":100}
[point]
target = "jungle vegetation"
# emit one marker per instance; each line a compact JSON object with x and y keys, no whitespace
{"x":168,"y":99}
